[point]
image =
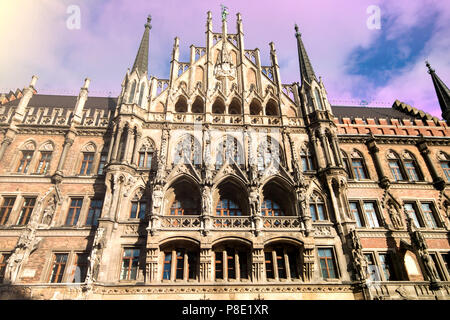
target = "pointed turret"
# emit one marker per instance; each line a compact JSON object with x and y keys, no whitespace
{"x":442,"y":92}
{"x":306,"y":69}
{"x":141,"y":61}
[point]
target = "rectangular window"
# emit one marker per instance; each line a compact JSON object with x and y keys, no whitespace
{"x":387,"y":266}
{"x":167,"y":265}
{"x":101,"y":164}
{"x":6,"y":208}
{"x":24,"y":163}
{"x":411,"y":210}
{"x":26,"y":211}
{"x":411,"y":171}
{"x":44,"y":162}
{"x":130,"y":264}
{"x":438,"y":267}
{"x":429,"y":215}
{"x":3,"y":258}
{"x":354,"y":208}
{"x":372,"y":268}
{"x":358,"y":170}
{"x":371,"y":215}
{"x":292,"y":257}
{"x":95,"y":209}
{"x":243,"y":265}
{"x":180,"y":264}
{"x":219,"y":265}
{"x":59,"y":265}
{"x":145,"y":160}
{"x":327,"y":263}
{"x":138,"y":209}
{"x":269,"y":265}
{"x":86,"y":164}
{"x":317,"y":211}
{"x":446,"y":258}
{"x":192,"y":265}
{"x":396,"y":171}
{"x":281,"y":264}
{"x":80,"y":268}
{"x":446,"y":168}
{"x":231,"y":264}
{"x":74,"y":212}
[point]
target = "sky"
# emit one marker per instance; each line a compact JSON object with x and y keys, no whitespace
{"x":361,"y":61}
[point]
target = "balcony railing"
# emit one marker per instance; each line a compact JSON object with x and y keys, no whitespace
{"x":281,"y":223}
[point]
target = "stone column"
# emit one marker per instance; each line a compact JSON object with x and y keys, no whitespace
{"x":258,"y":263}
{"x":110,"y":147}
{"x":325,"y":150}
{"x":152,"y":259}
{"x":438,"y":182}
{"x":67,"y":144}
{"x":125,"y":156}
{"x":117,"y":143}
{"x":5,"y":143}
{"x":205,"y":264}
{"x":137,"y":137}
{"x":308,"y":263}
{"x":337,"y":152}
{"x":374,"y":151}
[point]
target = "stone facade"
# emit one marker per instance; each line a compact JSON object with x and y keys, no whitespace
{"x":221,"y":183}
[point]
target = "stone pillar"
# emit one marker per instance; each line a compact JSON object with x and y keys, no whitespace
{"x":374,"y":151}
{"x":137,"y":137}
{"x":438,"y":182}
{"x":258,"y":264}
{"x":152,"y":259}
{"x":308,"y":263}
{"x":125,"y":156}
{"x":110,"y":148}
{"x":117,"y":143}
{"x":205,"y":264}
{"x":67,"y":144}
{"x":317,"y":155}
{"x":5,"y":143}
{"x":337,"y":152}
{"x":325,"y":149}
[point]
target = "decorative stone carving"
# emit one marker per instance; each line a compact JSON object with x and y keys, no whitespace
{"x":206,"y":200}
{"x":308,"y":263}
{"x":394,"y":215}
{"x":359,"y":260}
{"x":49,"y":211}
{"x":95,"y":256}
{"x":254,"y":201}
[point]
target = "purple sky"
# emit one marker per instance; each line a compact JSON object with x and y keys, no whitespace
{"x":356,"y":63}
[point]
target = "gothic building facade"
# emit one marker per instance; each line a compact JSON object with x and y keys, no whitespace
{"x":222,"y":183}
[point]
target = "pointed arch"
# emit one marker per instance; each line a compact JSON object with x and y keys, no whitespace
{"x":145,"y":153}
{"x":230,"y":198}
{"x":183,"y":197}
{"x":317,"y":207}
{"x":218,"y":106}
{"x":272,"y":108}
{"x":198,"y":106}
{"x":132,"y":92}
{"x":412,"y":167}
{"x":278,"y":198}
{"x":358,"y":165}
{"x":187,"y":148}
{"x":444,"y":160}
{"x":235,"y":107}
{"x":269,"y":151}
{"x":318,"y":99}
{"x":395,"y":165}
{"x":255,"y":107}
{"x":229,"y":148}
{"x":181,"y":105}
{"x":141,"y":93}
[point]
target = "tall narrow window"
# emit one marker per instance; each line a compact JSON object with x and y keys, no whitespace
{"x":293,"y":264}
{"x":317,"y":208}
{"x":429,"y":215}
{"x":5,"y":209}
{"x":26,"y":211}
{"x":372,"y":268}
{"x":271,"y":208}
{"x":231,"y":264}
{"x":359,"y":168}
{"x":395,"y":166}
{"x":281,"y":264}
{"x":411,"y":210}
{"x":138,"y":209}
{"x":3,"y":259}
{"x":44,"y":162}
{"x":192,"y":265}
{"x":354,"y":208}
{"x":95,"y":209}
{"x":446,"y":168}
{"x":80,"y":268}
{"x":327,"y":263}
{"x":411,"y":170}
{"x":145,"y":159}
{"x":270,"y":274}
{"x":101,"y":164}
{"x":346,"y":163}
{"x":59,"y":265}
{"x":180,"y":264}
{"x":132,"y":92}
{"x":185,"y":264}
{"x":440,"y":274}
{"x":86,"y":163}
{"x":130,"y":263}
{"x":387,"y":266}
{"x":446,"y":258}
{"x":25,"y":161}
{"x":141,"y":93}
{"x":243,"y":265}
{"x":167,"y":268}
{"x":219,"y":264}
{"x":307,"y":161}
{"x":74,"y":212}
{"x":318,"y":99}
{"x":371,"y":215}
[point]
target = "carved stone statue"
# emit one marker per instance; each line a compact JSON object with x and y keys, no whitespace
{"x":359,"y":260}
{"x":206,"y":200}
{"x":157,"y":196}
{"x":395,"y":217}
{"x":95,"y":256}
{"x":49,"y":211}
{"x":254,"y":201}
{"x":224,"y":12}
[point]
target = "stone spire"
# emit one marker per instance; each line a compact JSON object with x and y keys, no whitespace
{"x":141,"y":61}
{"x":442,"y":92}
{"x":306,"y":69}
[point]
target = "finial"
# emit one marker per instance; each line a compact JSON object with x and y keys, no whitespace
{"x":87,"y":81}
{"x":33,"y":81}
{"x":272,"y":46}
{"x":149,"y":19}
{"x":238,"y":15}
{"x":430,"y":70}
{"x":224,"y":12}
{"x":209,"y":15}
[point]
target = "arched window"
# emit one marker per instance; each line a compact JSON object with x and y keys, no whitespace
{"x":232,"y":199}
{"x":180,"y":261}
{"x":307,"y":160}
{"x":271,"y":108}
{"x":185,"y":197}
{"x":317,"y":208}
{"x":146,"y":154}
{"x":269,"y":151}
{"x":141,"y":94}
{"x":46,"y":151}
{"x":346,"y":163}
{"x":188,"y":148}
{"x":271,"y":208}
{"x":228,"y":207}
{"x":444,"y":159}
{"x":318,"y":99}
{"x":359,"y":166}
{"x":282,"y":261}
{"x":26,"y":156}
{"x":277,"y":200}
{"x":235,"y":107}
{"x":87,"y":159}
{"x":411,"y":167}
{"x":395,"y":166}
{"x":231,"y":261}
{"x":138,"y":205}
{"x":218,"y":107}
{"x":181,"y":105}
{"x":132,"y":92}
{"x":198,"y":105}
{"x":255,"y":108}
{"x":229,"y":149}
